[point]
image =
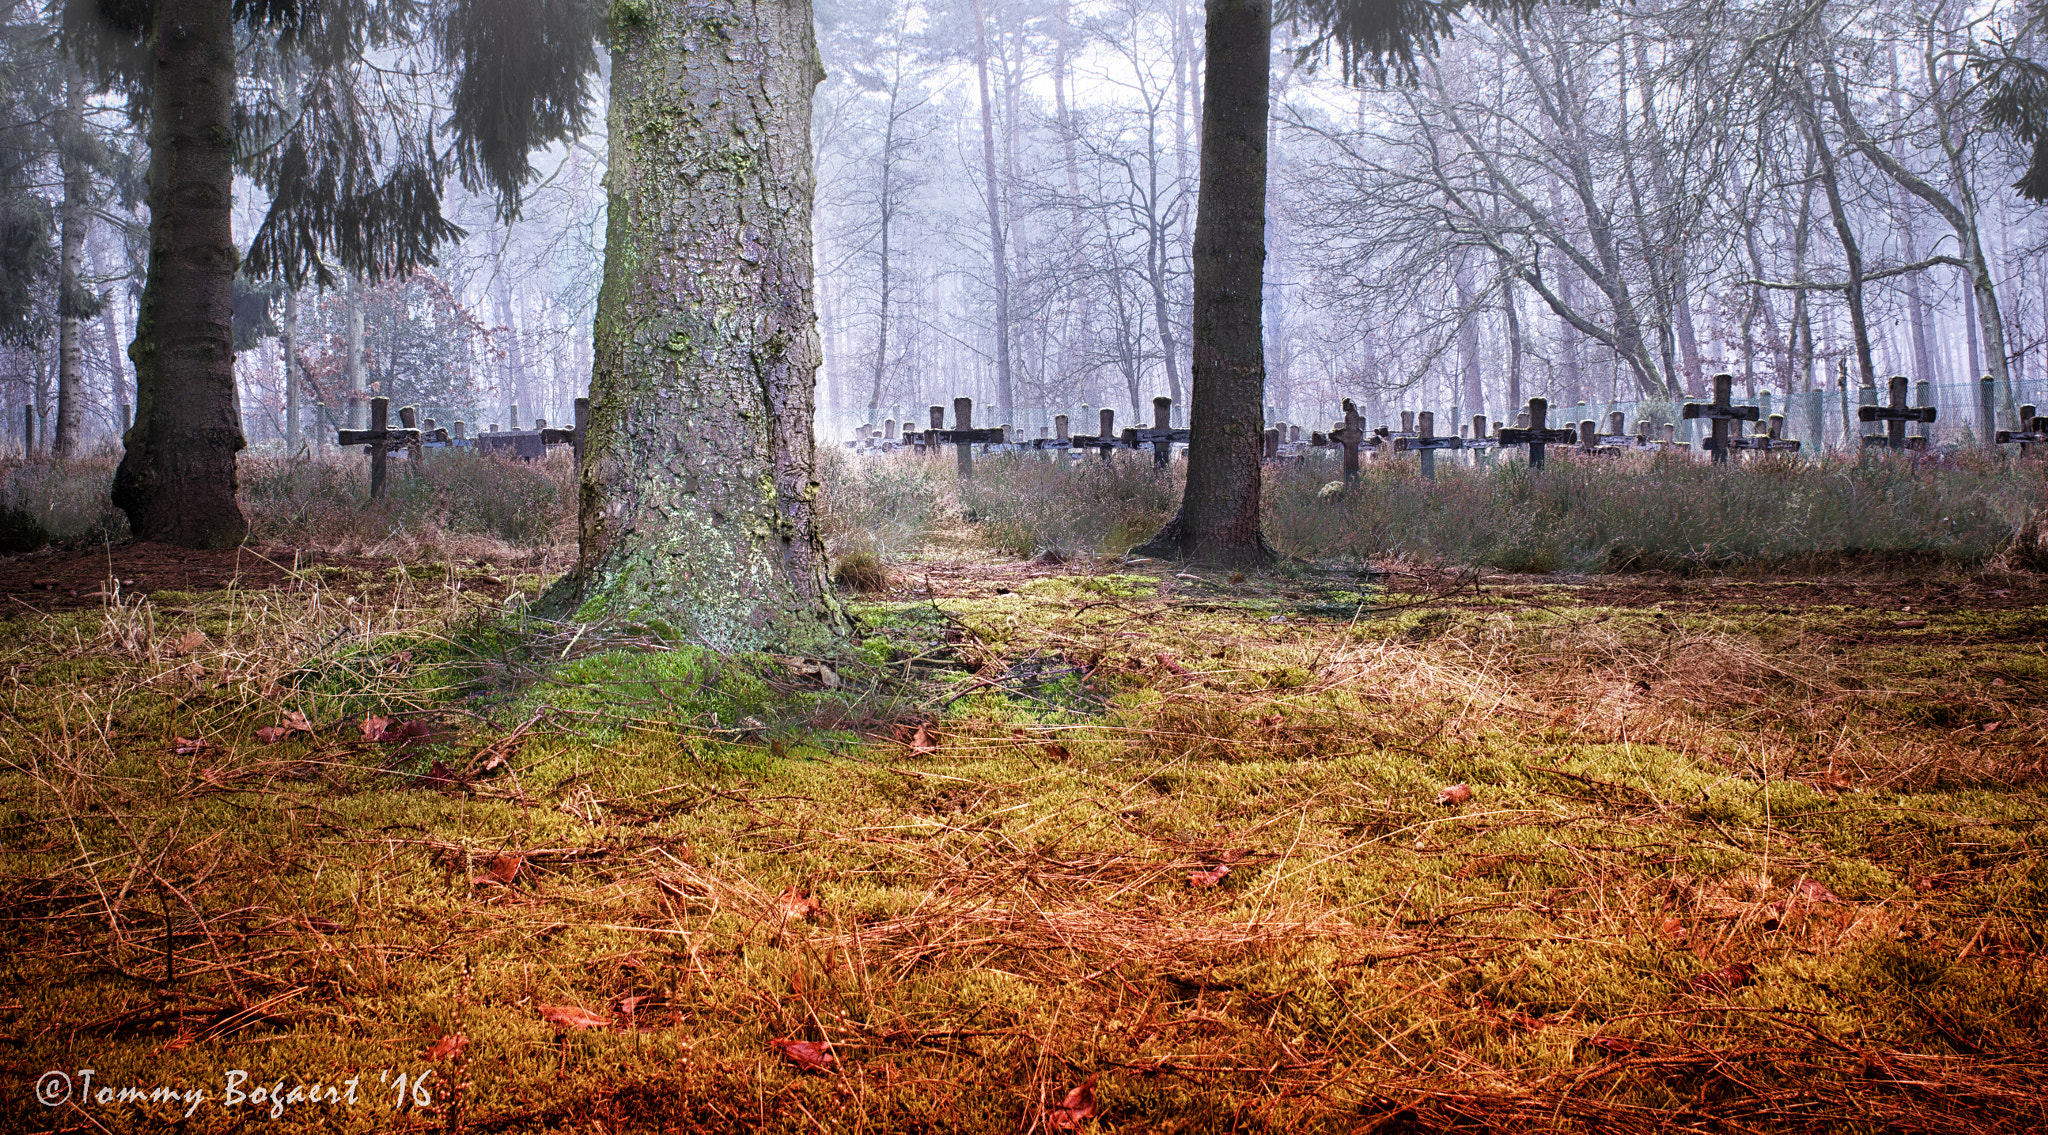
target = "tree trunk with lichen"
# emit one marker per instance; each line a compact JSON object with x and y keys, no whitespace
{"x":699,"y":485}
{"x":176,"y":481}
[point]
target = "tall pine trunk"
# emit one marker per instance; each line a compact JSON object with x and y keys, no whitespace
{"x":699,"y":479}
{"x":177,"y":480}
{"x":1219,"y":512}
{"x":998,"y":245}
{"x":71,"y":296}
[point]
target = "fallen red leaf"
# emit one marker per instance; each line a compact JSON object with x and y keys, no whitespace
{"x":272,"y":734}
{"x":1454,"y":795}
{"x":189,"y":746}
{"x":1079,"y":1105}
{"x":1725,"y":979}
{"x":628,"y":1004}
{"x":570,"y":1017}
{"x":191,"y":640}
{"x":922,"y":742}
{"x":809,"y":1055}
{"x":798,"y":906}
{"x":297,"y":722}
{"x":1613,"y":1043}
{"x":1058,"y":752}
{"x":374,"y":726}
{"x":449,"y":1045}
{"x":440,"y":776}
{"x":1168,"y":662}
{"x":503,"y":869}
{"x":1813,"y":892}
{"x":1209,"y":878}
{"x":408,"y":732}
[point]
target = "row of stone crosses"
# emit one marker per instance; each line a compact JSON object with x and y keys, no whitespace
{"x":1418,"y":433}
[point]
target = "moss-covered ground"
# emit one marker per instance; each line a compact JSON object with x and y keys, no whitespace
{"x":1301,"y":852}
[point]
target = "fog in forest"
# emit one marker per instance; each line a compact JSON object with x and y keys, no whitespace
{"x":1599,"y":207}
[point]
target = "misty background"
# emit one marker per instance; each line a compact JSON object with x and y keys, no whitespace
{"x":1600,"y":207}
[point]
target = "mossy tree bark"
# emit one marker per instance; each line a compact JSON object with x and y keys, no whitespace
{"x":177,"y":480}
{"x":1218,"y":520}
{"x":699,"y":477}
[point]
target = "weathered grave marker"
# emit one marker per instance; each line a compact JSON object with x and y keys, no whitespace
{"x":964,"y":436}
{"x":1482,"y":446}
{"x":2033,"y":431}
{"x":1895,"y":417}
{"x":1720,"y":412}
{"x":378,"y":441}
{"x":1426,"y":442}
{"x":1161,"y":436}
{"x":1350,"y":434}
{"x":1769,"y":439}
{"x":1537,"y":433}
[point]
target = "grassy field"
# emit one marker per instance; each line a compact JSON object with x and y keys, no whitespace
{"x":1094,"y":846}
{"x":1387,"y":839}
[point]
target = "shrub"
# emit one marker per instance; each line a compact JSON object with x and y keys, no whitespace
{"x":861,"y":570}
{"x":1639,"y":513}
{"x":885,"y":507}
{"x":1026,"y":507}
{"x":62,"y":502}
{"x":326,"y":500}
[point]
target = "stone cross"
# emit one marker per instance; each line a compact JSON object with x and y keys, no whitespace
{"x":1719,"y":413}
{"x":1537,"y":433}
{"x":1351,"y":435}
{"x":1894,"y":417}
{"x":1161,"y":436}
{"x":1426,"y":442}
{"x":379,"y":439}
{"x":2033,"y":431}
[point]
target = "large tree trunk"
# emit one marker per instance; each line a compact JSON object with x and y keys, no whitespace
{"x":177,"y":479}
{"x":1219,"y":512}
{"x":699,"y":478}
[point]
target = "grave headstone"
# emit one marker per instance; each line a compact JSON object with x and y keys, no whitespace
{"x":1894,"y":416}
{"x":1720,"y":412}
{"x":1536,"y":434}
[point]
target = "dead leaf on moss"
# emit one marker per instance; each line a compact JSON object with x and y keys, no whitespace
{"x":570,"y":1017}
{"x":1454,"y":795}
{"x":1724,"y":980}
{"x":811,"y":1056}
{"x":502,"y":871}
{"x":797,"y":906}
{"x":450,"y":1045}
{"x":1077,"y":1106}
{"x":1209,"y":878}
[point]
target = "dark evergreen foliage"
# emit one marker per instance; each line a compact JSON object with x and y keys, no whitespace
{"x":1383,"y":38}
{"x":28,"y":262}
{"x":353,"y":191}
{"x":522,"y":70}
{"x":2017,"y":99}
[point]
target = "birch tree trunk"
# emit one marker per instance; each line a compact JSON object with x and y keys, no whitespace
{"x":698,"y":484}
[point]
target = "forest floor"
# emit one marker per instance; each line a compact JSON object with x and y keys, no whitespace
{"x":355,"y":845}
